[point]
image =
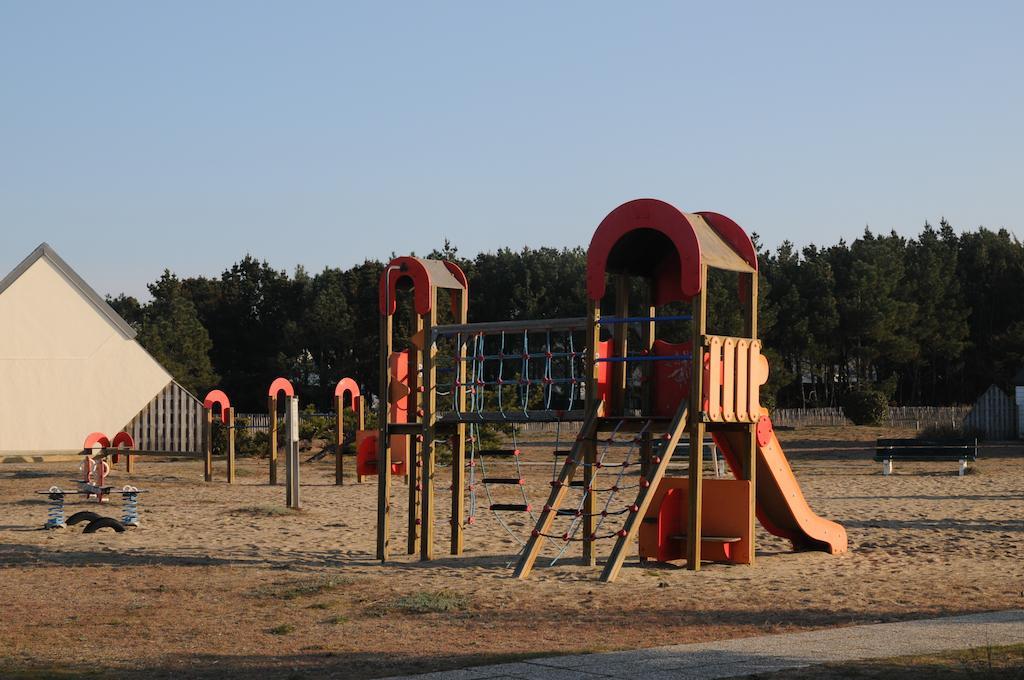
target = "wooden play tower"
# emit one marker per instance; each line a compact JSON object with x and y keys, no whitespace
{"x":647,"y":279}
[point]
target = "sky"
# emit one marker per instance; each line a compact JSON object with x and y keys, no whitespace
{"x":136,"y":137}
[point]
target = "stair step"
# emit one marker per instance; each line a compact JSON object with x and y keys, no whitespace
{"x":709,"y":539}
{"x":511,"y":507}
{"x":503,"y":480}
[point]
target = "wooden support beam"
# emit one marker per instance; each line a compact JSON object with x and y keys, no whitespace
{"x":620,"y":342}
{"x":589,"y":448}
{"x":750,"y":457}
{"x":339,"y":437}
{"x":384,"y":442}
{"x":429,"y":419}
{"x":558,"y":491}
{"x":272,"y":411}
{"x":228,"y":418}
{"x":645,"y":496}
{"x":458,"y":442}
{"x":700,"y":327}
{"x":208,"y":444}
{"x":414,"y":452}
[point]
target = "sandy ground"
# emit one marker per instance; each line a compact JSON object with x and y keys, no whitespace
{"x":218,"y":583}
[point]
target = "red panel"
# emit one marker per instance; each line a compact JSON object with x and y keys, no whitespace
{"x":399,"y":362}
{"x":605,"y":348}
{"x":366,"y":454}
{"x":281,"y":385}
{"x":671,"y":378}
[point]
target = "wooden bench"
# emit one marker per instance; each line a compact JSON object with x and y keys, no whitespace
{"x":960,"y":450}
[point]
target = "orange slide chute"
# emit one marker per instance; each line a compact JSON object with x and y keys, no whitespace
{"x":781,"y":506}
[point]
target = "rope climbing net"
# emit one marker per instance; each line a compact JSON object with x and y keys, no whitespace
{"x":533,"y":372}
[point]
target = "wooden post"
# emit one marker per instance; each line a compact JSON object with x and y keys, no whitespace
{"x":693,"y":533}
{"x":339,"y":432}
{"x":620,"y":342}
{"x":360,"y":425}
{"x":458,"y":443}
{"x":227,"y":416}
{"x":384,"y":441}
{"x":208,"y":445}
{"x":291,"y":467}
{"x":413,"y":466}
{"x":648,"y":334}
{"x":272,"y":410}
{"x":429,"y":406}
{"x":589,"y":447}
{"x":750,"y":455}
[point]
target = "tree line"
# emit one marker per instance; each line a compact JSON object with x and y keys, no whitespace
{"x":930,"y":320}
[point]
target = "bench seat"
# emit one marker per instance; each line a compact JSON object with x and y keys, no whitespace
{"x":960,"y":450}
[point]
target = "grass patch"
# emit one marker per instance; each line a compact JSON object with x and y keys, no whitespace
{"x":319,"y":605}
{"x":291,"y":590}
{"x":282,"y":629}
{"x":982,"y":662}
{"x":428,"y":602}
{"x":335,"y":620}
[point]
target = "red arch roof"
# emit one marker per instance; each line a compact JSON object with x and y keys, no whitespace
{"x":348,"y":385}
{"x":423,"y":274}
{"x":215,"y":397}
{"x":705,"y":237}
{"x":281,"y":385}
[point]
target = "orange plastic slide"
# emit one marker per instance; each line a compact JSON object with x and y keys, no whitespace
{"x":781,"y":507}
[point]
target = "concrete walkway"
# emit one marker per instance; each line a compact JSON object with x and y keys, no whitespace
{"x":733,"y":658}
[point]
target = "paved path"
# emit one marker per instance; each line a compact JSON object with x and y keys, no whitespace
{"x":732,"y":658}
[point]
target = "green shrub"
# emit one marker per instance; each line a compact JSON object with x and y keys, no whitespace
{"x":866,"y":406}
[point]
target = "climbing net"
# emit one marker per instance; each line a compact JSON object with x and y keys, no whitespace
{"x":520,"y":375}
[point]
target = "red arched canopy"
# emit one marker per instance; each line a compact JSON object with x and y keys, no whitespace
{"x":348,"y":385}
{"x":216,"y":397}
{"x":648,"y":237}
{"x":123,"y":439}
{"x":422,"y":275}
{"x":95,"y":438}
{"x":281,"y":385}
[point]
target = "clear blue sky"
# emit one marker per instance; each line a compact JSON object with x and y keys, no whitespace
{"x":137,"y":136}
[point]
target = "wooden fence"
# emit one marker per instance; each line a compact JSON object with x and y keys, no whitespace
{"x":171,"y":422}
{"x":994,"y":415}
{"x":910,"y":417}
{"x":260,"y":422}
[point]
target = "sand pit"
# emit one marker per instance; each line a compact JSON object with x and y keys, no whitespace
{"x":221,"y":581}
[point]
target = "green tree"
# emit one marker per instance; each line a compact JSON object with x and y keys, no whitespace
{"x":171,"y":331}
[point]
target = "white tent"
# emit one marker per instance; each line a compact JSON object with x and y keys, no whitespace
{"x":69,"y":364}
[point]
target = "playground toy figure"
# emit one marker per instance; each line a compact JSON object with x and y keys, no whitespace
{"x":641,"y":390}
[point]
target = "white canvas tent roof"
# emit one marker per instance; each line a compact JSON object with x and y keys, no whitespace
{"x":69,"y":364}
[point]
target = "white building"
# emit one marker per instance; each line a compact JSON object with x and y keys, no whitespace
{"x":69,"y":364}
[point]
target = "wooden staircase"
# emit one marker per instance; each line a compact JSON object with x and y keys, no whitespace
{"x":624,"y":538}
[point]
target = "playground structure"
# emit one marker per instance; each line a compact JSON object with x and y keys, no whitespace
{"x":639,"y":392}
{"x":96,"y":450}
